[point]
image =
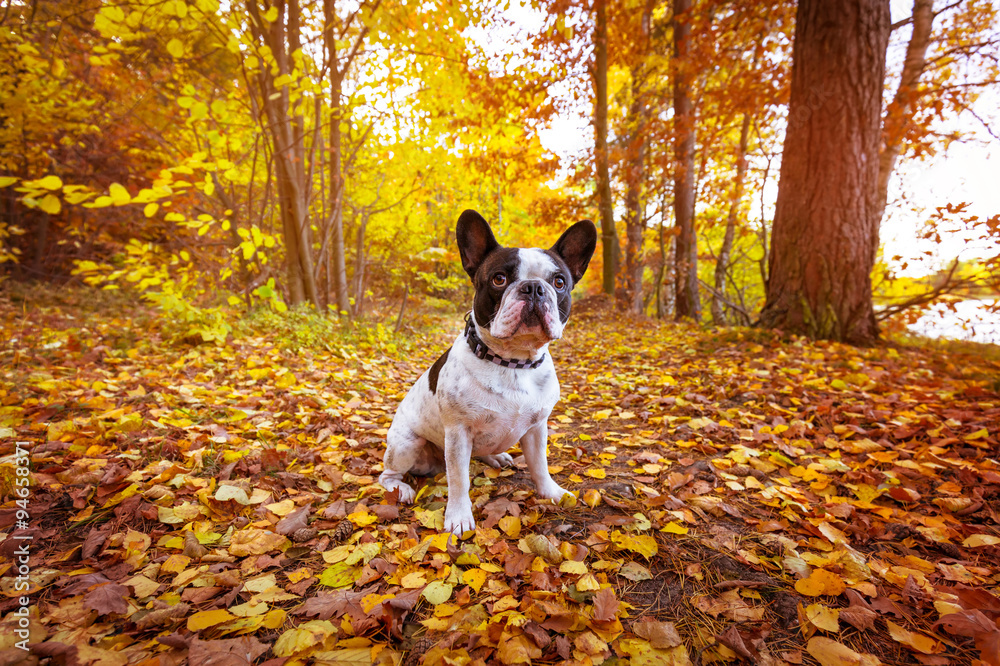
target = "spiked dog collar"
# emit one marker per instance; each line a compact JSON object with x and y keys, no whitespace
{"x":480,"y":349}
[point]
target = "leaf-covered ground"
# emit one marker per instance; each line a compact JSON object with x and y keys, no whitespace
{"x":741,"y":496}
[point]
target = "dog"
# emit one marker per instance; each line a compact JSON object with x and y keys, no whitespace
{"x":496,"y":385}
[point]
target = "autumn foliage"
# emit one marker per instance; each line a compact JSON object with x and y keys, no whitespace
{"x":227,"y":251}
{"x":740,"y":496}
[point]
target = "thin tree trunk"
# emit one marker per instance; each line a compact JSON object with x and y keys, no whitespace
{"x":290,"y":177}
{"x":338,"y":254}
{"x":635,"y":174}
{"x":722,"y":263}
{"x":827,"y":206}
{"x":899,"y":114}
{"x":688,"y":302}
{"x":609,"y":238}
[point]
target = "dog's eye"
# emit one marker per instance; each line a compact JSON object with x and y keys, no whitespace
{"x":499,"y":280}
{"x":559,"y":283}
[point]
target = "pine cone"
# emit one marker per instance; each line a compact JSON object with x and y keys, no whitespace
{"x":342,"y":532}
{"x":303,"y":534}
{"x":418,"y":651}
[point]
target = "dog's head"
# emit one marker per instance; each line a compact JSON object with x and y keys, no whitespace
{"x":522,"y":294}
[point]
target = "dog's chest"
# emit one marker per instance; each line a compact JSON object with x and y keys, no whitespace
{"x":499,"y":406}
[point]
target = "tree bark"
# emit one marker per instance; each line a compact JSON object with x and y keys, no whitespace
{"x":635,"y":173}
{"x":899,"y":113}
{"x":337,"y":250}
{"x":827,"y":209}
{"x":722,"y":262}
{"x":292,"y":188}
{"x":609,"y":237}
{"x":688,"y":303}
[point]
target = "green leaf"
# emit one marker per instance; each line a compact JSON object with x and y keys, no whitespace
{"x":340,"y":574}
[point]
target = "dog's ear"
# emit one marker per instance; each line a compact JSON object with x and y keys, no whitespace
{"x":475,"y":240}
{"x":576,"y":246}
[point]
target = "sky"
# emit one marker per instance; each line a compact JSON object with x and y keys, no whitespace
{"x":965,"y":172}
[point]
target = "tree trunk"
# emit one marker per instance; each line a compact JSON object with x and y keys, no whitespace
{"x":827,"y":207}
{"x":635,"y":175}
{"x":609,"y":238}
{"x":688,"y":303}
{"x":292,"y":188}
{"x":338,"y":254}
{"x":899,"y":114}
{"x":722,"y":263}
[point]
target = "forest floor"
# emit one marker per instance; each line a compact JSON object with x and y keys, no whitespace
{"x":742,"y":495}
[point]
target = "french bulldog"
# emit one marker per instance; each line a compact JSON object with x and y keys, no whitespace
{"x":496,"y":385}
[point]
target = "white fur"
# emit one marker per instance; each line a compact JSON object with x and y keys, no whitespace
{"x":533,"y":264}
{"x":479,"y":409}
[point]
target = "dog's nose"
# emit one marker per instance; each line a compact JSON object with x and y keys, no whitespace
{"x":533,"y":288}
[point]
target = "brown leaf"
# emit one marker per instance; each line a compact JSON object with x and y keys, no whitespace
{"x":661,"y":635}
{"x":107,"y":599}
{"x":193,"y":547}
{"x":158,"y":618}
{"x":732,"y":639}
{"x":859,"y":617}
{"x":605,"y":605}
{"x":229,"y":652}
{"x":296,"y":520}
{"x":539,"y":635}
{"x":967,"y":623}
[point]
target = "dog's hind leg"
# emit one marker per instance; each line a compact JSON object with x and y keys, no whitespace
{"x":408,"y":452}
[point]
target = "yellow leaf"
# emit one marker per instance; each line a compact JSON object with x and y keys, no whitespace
{"x":584,"y":437}
{"x":587,"y":583}
{"x":601,"y":415}
{"x":673,"y":528}
{"x":150,"y":209}
{"x":643,"y":544}
{"x":47,"y":183}
{"x":596,"y":473}
{"x":362,"y":518}
{"x":511,"y":526}
{"x":7,"y":181}
{"x":296,"y":640}
{"x":413,"y":580}
{"x":979,"y":434}
{"x":920,"y":642}
{"x":978,"y":540}
{"x":272,"y":15}
{"x":256,"y":542}
{"x":591,"y":497}
{"x":437,"y":592}
{"x":175,"y":47}
{"x":119,"y":195}
{"x":50,"y":204}
{"x":210,"y":618}
{"x":573,"y":567}
{"x":823,"y":617}
{"x":820,"y":582}
{"x":829,"y":652}
{"x":474,"y":578}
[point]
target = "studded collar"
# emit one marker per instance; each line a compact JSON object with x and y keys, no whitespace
{"x":480,"y":349}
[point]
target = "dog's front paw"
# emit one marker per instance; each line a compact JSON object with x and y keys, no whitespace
{"x":392,"y":482}
{"x":552,"y":491}
{"x":498,"y":461}
{"x":459,"y":520}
